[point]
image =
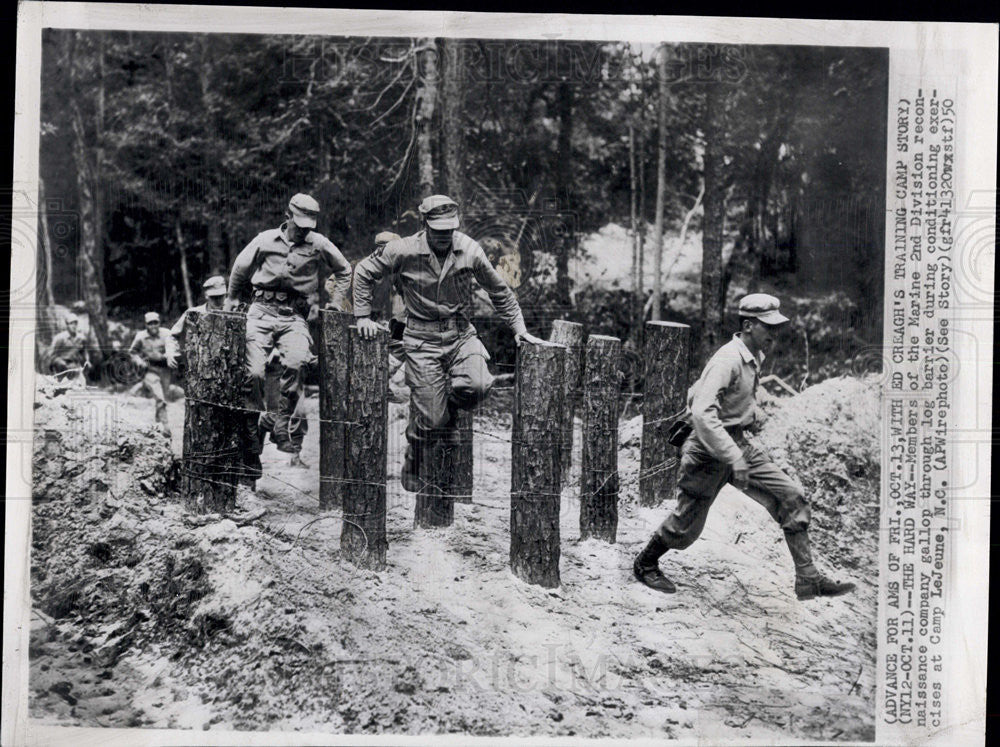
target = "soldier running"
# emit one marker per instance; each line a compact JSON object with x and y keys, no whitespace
{"x":445,"y":360}
{"x":721,"y":404}
{"x":278,"y":272}
{"x":67,"y":354}
{"x":215,"y":293}
{"x":149,"y":353}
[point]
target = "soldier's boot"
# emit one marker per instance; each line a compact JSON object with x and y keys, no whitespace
{"x":410,"y":474}
{"x":297,"y":461}
{"x":448,"y":431}
{"x":646,"y":567}
{"x":161,"y":416}
{"x":809,"y":582}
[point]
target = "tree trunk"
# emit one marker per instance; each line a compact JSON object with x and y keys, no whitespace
{"x":452,"y":106}
{"x":215,"y":356}
{"x":599,"y":473}
{"x":564,"y":161}
{"x":88,"y":260}
{"x":185,"y":275}
{"x":569,"y":334}
{"x":712,"y":299}
{"x":213,"y":230}
{"x":363,"y":539}
{"x":334,"y":362}
{"x":536,"y":464}
{"x":634,"y":228}
{"x":661,"y":184}
{"x":664,"y":397}
{"x":460,"y":475}
{"x":427,"y":95}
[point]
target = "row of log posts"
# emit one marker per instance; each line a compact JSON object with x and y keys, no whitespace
{"x":353,"y":407}
{"x":215,"y":353}
{"x":569,"y":334}
{"x":664,"y":396}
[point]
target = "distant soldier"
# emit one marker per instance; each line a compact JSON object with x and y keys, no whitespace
{"x":215,"y":293}
{"x":278,"y":273}
{"x":149,"y":353}
{"x":721,"y":404}
{"x":68,"y":354}
{"x":445,"y":360}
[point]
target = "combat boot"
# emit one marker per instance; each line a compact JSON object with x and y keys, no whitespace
{"x":809,"y":582}
{"x":811,"y":587}
{"x":647,"y":570}
{"x":410,"y":474}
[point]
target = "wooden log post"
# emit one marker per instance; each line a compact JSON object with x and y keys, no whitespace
{"x":599,"y":471}
{"x":334,"y":362}
{"x":569,"y":334}
{"x":436,"y":497}
{"x":666,"y":353}
{"x":215,"y":352}
{"x":536,"y":463}
{"x":363,"y":539}
{"x":461,"y":486}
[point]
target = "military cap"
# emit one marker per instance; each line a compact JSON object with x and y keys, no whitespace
{"x":215,"y":286}
{"x":151,"y":316}
{"x":384,"y":237}
{"x":762,"y":307}
{"x":440,"y":212}
{"x":304,"y":210}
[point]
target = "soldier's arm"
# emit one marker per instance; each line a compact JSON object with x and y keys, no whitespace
{"x":501,"y":296}
{"x":368,"y":272}
{"x":174,"y":338}
{"x":239,"y":277}
{"x":136,"y":346}
{"x":718,"y":375}
{"x":338,"y":285}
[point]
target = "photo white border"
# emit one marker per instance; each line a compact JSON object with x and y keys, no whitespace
{"x":972,"y":398}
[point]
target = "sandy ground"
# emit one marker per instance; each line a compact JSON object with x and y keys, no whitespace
{"x":180,"y":622}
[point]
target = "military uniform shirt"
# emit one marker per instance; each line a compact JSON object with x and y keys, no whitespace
{"x":68,"y":347}
{"x":725,"y":396}
{"x":434,"y":290}
{"x":153,"y":349}
{"x":270,"y":262}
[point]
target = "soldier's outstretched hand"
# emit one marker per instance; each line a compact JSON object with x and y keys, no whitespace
{"x":527,"y":337}
{"x":368,"y":328}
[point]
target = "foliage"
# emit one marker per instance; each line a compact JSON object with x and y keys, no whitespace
{"x":202,"y":138}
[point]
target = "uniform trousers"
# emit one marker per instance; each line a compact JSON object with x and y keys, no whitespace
{"x":442,"y":366}
{"x":701,"y":478}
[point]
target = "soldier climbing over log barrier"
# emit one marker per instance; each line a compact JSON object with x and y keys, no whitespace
{"x":445,"y":360}
{"x":276,"y":274}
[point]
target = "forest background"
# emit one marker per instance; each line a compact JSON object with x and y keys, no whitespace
{"x":707,"y":171}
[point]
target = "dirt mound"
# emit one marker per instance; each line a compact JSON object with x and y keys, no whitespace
{"x":828,"y":437}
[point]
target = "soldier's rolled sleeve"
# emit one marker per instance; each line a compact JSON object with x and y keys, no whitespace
{"x":243,"y":266}
{"x":705,"y":418}
{"x":340,"y":279}
{"x":501,"y":295}
{"x":367,"y":273}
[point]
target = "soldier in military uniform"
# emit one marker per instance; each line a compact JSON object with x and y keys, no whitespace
{"x":214,"y":290}
{"x":68,"y":351}
{"x":277,"y":273}
{"x":445,"y":360}
{"x":149,"y":353}
{"x":721,"y":406}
